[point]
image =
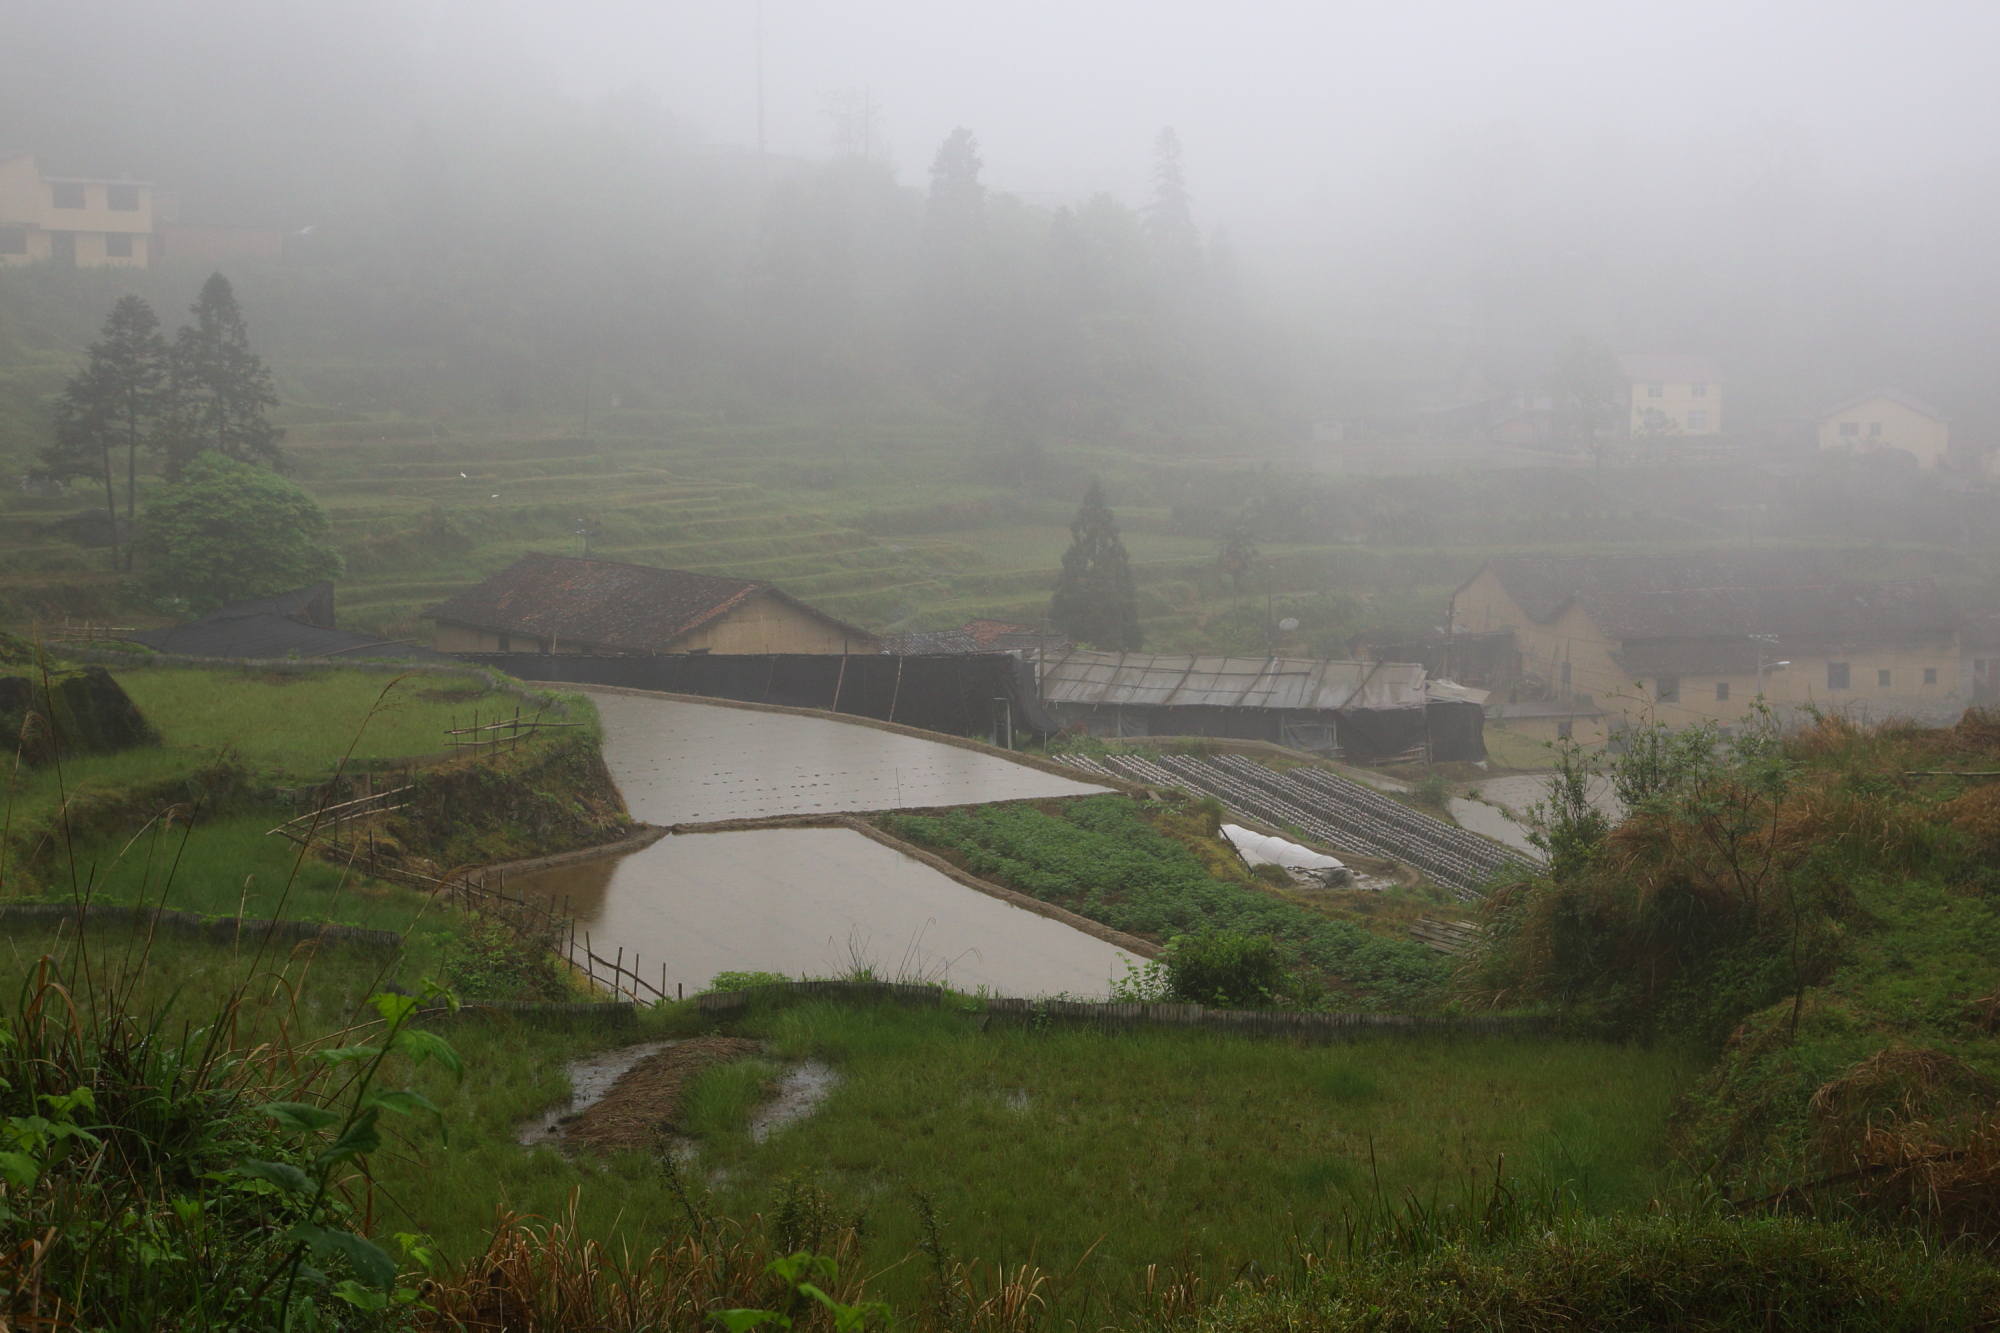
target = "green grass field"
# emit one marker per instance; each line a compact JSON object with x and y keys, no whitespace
{"x":304,"y":724}
{"x":1163,"y":1146}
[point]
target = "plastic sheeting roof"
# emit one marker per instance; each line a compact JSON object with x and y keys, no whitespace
{"x":1171,"y":679}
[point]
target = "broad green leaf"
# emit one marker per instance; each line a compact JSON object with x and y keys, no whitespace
{"x":402,"y":1103}
{"x":340,"y":1055}
{"x":742,"y":1321}
{"x":299,"y":1117}
{"x":282,"y":1174}
{"x":361,"y":1137}
{"x":377,"y":1269}
{"x":19,"y":1169}
{"x":395,"y":1009}
{"x":360,"y":1297}
{"x":420,"y":1046}
{"x":790,"y":1268}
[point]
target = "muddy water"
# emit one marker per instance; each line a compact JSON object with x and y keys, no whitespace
{"x":688,"y":763}
{"x":812,"y":902}
{"x":1495,"y":823}
{"x":801,"y":1089}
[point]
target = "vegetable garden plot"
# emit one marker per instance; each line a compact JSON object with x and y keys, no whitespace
{"x":1327,"y":807}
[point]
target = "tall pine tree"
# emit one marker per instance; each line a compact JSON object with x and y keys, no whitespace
{"x":957,"y":205}
{"x":114,"y":402}
{"x":1170,"y":217}
{"x":220,"y":388}
{"x":1095,"y":602}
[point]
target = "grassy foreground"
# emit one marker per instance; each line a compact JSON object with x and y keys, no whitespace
{"x":978,"y":1179}
{"x":1103,"y":1154}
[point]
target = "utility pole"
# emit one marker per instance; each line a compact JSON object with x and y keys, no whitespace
{"x":760,"y":77}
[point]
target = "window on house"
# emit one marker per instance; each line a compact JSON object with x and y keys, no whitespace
{"x":13,"y":241}
{"x":1667,"y":689}
{"x":1722,"y":691}
{"x":1836,"y":675}
{"x":123,"y":198}
{"x":506,"y":643}
{"x":1874,"y":430}
{"x":118,"y":244}
{"x":1930,"y":675}
{"x":1697,"y":419}
{"x":1698,"y":390}
{"x":69,"y":194}
{"x":1850,"y":428}
{"x":1882,"y":679}
{"x":1656,"y":390}
{"x":1563,"y":730}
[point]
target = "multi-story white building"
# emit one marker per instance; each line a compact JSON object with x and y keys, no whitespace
{"x":72,"y":220}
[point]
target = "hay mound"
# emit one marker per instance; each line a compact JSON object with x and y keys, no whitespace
{"x":64,"y":713}
{"x":645,"y":1100}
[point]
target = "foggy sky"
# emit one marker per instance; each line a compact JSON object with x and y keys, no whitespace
{"x":1808,"y":191}
{"x":1288,"y":107}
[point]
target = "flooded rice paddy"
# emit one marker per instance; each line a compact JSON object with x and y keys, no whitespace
{"x":804,"y":902}
{"x":692,"y":763}
{"x":813,"y":902}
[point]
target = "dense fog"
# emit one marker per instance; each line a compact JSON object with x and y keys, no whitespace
{"x":1386,"y":207}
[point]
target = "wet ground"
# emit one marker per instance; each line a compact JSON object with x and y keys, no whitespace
{"x":814,"y":902}
{"x":649,"y":1094}
{"x":801,"y":1088}
{"x":1502,"y":810}
{"x":689,"y":763}
{"x":1493,"y":822}
{"x":589,"y":1078}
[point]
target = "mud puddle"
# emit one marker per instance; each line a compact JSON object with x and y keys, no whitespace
{"x":589,"y":1078}
{"x":629,"y":1099}
{"x":801,"y":1088}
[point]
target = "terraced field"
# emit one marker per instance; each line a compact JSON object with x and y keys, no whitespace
{"x":417,"y":519}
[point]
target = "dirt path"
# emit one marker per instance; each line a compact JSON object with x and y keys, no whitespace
{"x":646,"y":1099}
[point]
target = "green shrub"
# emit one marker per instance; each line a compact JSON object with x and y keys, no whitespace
{"x":1227,"y":970}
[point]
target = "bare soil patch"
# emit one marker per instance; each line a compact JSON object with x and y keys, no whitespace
{"x":645,"y":1100}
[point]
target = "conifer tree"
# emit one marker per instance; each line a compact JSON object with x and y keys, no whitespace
{"x":1170,"y":217}
{"x":113,"y":402}
{"x":1095,"y":602}
{"x":220,"y":388}
{"x":957,"y":204}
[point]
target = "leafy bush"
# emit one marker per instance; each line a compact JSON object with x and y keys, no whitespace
{"x":1099,"y":859}
{"x":1228,"y":970}
{"x":488,"y":961}
{"x":728,"y":981}
{"x":227,"y":530}
{"x":1433,"y":790}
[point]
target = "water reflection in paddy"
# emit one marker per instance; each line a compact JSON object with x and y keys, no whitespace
{"x":808,"y":902}
{"x":687,"y":763}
